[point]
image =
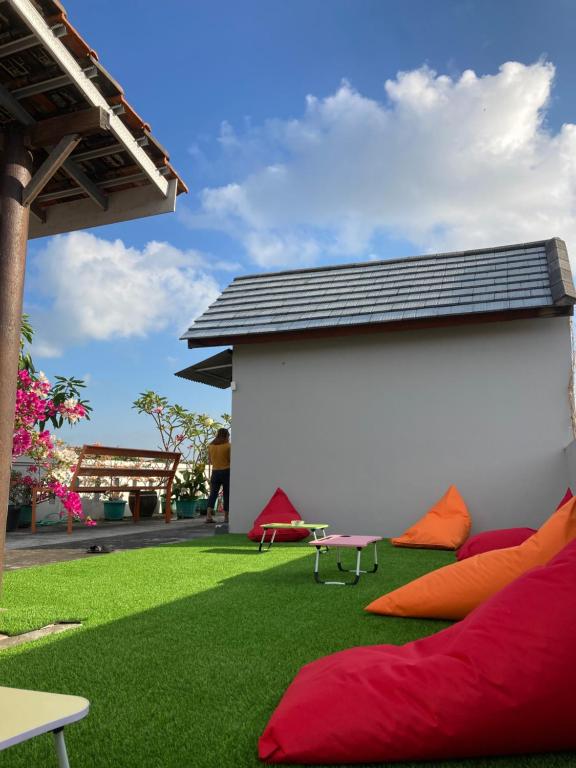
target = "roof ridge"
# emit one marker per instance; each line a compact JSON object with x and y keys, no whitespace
{"x":402,"y":259}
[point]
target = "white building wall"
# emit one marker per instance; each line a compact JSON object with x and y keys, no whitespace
{"x":366,"y":432}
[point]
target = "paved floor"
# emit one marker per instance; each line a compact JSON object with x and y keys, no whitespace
{"x":53,"y":544}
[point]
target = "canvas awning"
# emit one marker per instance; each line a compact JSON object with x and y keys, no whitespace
{"x":215,"y":371}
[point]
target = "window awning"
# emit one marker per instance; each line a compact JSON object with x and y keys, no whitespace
{"x":215,"y":371}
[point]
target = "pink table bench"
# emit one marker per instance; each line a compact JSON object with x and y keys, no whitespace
{"x":345,"y":542}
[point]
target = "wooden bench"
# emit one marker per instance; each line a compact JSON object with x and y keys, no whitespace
{"x":92,"y":477}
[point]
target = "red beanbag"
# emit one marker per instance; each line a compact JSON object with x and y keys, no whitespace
{"x":501,"y":539}
{"x":567,"y":496}
{"x":489,"y":540}
{"x":278,"y":510}
{"x":500,"y":682}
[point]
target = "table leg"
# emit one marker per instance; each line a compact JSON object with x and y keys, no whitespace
{"x":350,"y":583}
{"x":61,"y":748}
{"x":357,"y":569}
{"x":261,"y":545}
{"x":323,"y":536}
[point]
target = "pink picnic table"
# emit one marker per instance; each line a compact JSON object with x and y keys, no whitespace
{"x":359,"y":543}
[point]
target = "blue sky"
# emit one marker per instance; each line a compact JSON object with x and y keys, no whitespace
{"x":435,"y":159}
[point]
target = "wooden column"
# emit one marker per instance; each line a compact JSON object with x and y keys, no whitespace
{"x":16,"y":173}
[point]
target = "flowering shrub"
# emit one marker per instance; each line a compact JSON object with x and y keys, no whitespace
{"x":38,"y":403}
{"x":179,"y":429}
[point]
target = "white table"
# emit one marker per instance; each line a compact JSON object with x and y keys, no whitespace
{"x":25,"y":714}
{"x":345,"y":542}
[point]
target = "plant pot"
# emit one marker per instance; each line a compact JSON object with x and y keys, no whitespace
{"x":163,"y":505}
{"x":185,"y":508}
{"x":148,"y":502}
{"x":114,"y":509}
{"x":201,"y":506}
{"x":12,"y":518}
{"x":25,"y":520}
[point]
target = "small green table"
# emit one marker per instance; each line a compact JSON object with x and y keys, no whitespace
{"x":288,"y":526}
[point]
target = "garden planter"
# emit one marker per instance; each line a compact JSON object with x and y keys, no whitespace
{"x":201,"y":506}
{"x":114,"y":509}
{"x":185,"y":508}
{"x":25,"y":520}
{"x":13,"y":517}
{"x":163,"y":505}
{"x":148,"y":502}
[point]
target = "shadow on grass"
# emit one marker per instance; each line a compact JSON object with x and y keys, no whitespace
{"x":193,"y":681}
{"x":234,"y":551}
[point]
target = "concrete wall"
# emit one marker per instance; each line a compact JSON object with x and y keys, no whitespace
{"x":366,"y":432}
{"x":570,"y":458}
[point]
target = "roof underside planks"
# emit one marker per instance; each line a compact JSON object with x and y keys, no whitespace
{"x":52,"y":83}
{"x":506,"y":282}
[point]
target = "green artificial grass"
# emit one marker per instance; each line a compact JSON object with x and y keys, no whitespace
{"x":186,"y":649}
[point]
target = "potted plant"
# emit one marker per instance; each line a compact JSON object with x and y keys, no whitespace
{"x":148,"y":502}
{"x":13,"y":517}
{"x":21,"y":493}
{"x":114,"y":506}
{"x":189,"y":486}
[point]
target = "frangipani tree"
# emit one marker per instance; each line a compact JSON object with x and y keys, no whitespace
{"x":180,"y":429}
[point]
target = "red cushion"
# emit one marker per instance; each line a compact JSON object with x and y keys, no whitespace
{"x":489,"y":540}
{"x":501,"y":539}
{"x":499,"y":682}
{"x":278,"y":510}
{"x":567,"y":496}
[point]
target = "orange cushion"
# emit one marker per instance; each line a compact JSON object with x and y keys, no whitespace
{"x":445,"y":526}
{"x":453,"y":591}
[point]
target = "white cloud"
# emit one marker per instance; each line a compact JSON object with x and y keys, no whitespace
{"x":441,"y":162}
{"x":96,"y":289}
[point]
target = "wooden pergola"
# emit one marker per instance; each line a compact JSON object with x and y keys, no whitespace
{"x":74,"y":155}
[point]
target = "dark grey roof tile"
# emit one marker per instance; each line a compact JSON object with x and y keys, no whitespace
{"x":436,"y":285}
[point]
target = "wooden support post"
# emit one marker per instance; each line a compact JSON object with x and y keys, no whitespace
{"x":34,"y":509}
{"x":16,"y":174}
{"x":168,"y":507}
{"x":136,"y":515}
{"x":49,"y":167}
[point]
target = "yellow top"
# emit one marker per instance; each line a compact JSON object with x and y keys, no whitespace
{"x":219,"y":455}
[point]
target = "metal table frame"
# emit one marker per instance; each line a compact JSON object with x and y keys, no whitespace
{"x":288,"y":526}
{"x":337,"y":543}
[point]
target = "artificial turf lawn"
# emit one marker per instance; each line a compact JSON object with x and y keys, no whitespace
{"x":187,"y":648}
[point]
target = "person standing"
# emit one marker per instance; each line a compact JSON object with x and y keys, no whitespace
{"x":219,"y":458}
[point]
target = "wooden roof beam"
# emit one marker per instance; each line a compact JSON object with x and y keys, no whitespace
{"x":53,"y":162}
{"x":85,"y":122}
{"x":92,"y":190}
{"x":56,"y":48}
{"x":38,"y":212}
{"x":52,"y":84}
{"x":13,"y":106}
{"x":133,"y":203}
{"x":49,"y":131}
{"x":94,"y":154}
{"x":21,"y":44}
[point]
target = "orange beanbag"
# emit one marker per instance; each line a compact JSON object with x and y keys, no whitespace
{"x":445,"y":526}
{"x":453,"y":591}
